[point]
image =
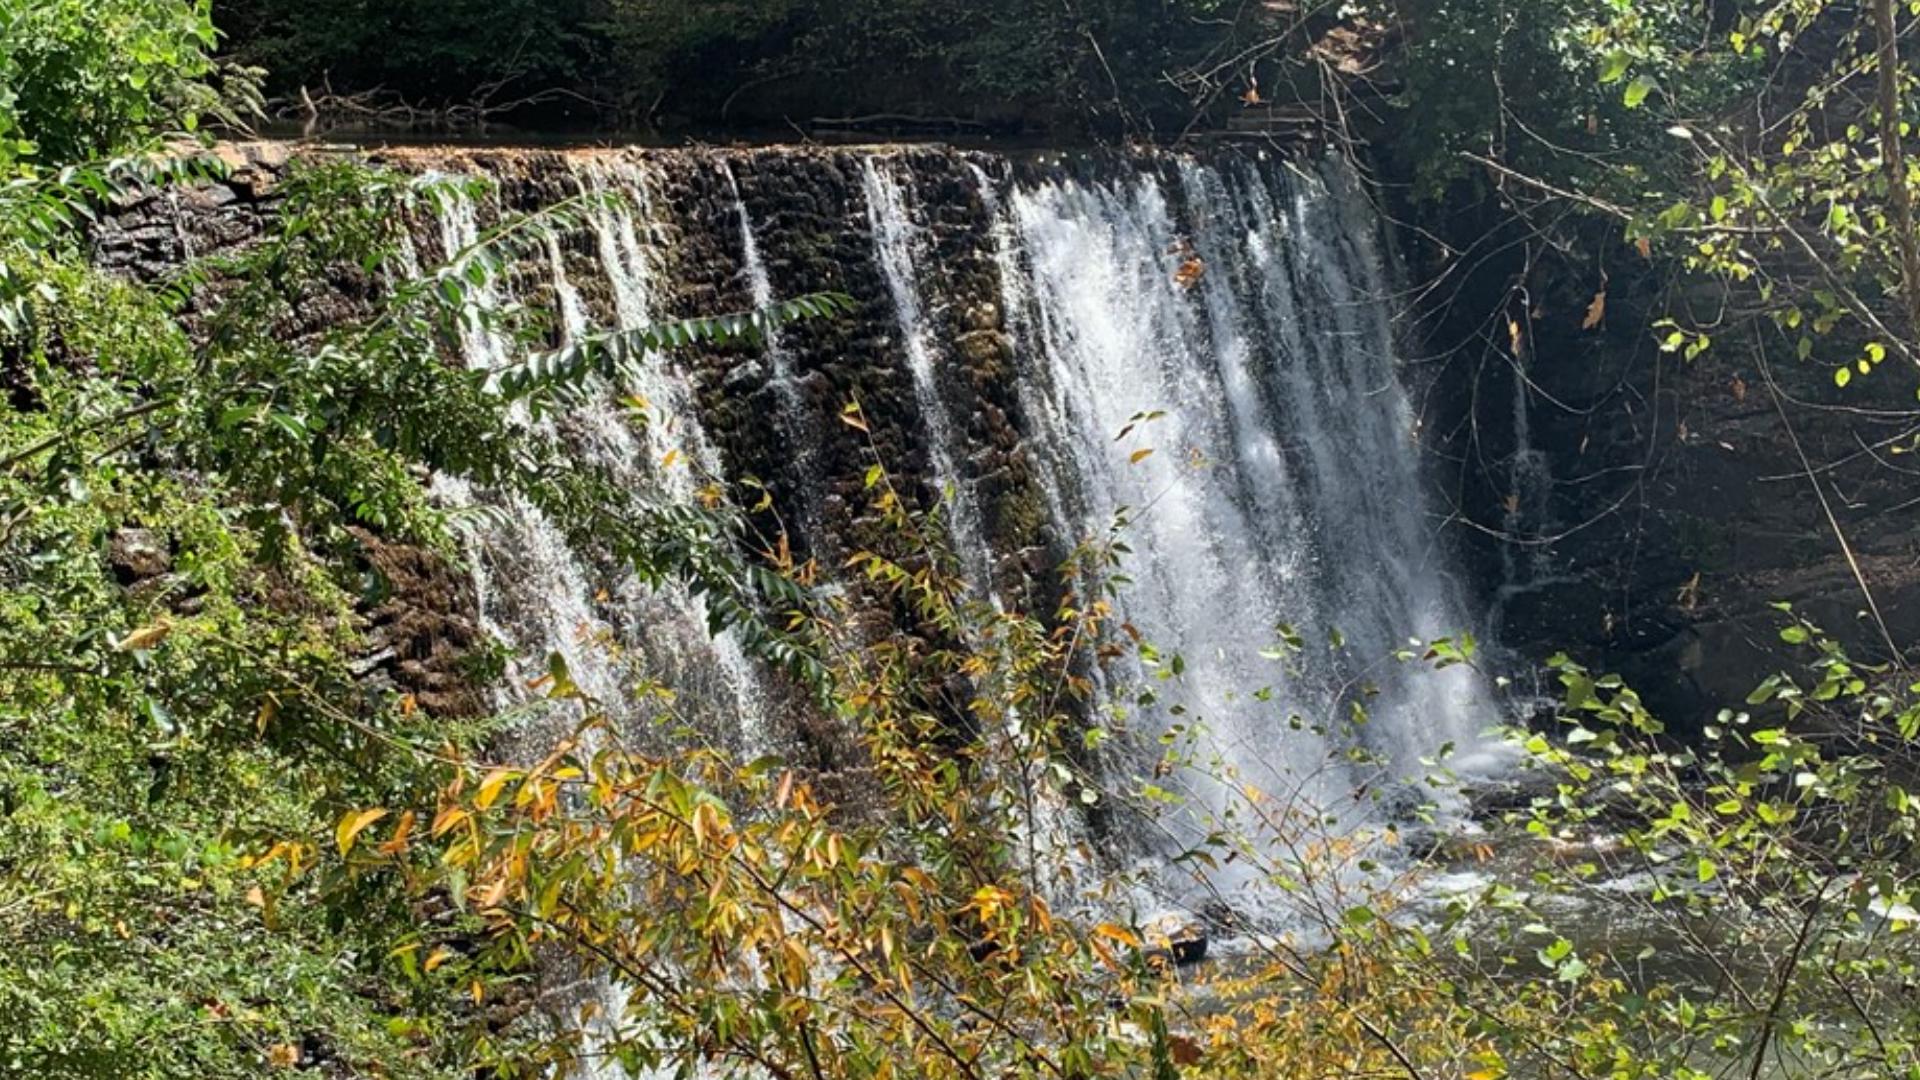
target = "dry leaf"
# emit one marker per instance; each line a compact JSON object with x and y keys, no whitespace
{"x":1515,"y":336}
{"x":144,"y":638}
{"x":1689,"y":595}
{"x":1596,"y":311}
{"x":1644,"y":246}
{"x":401,"y":832}
{"x":283,"y":1055}
{"x":1139,"y":456}
{"x":490,"y":787}
{"x":1739,"y":388}
{"x":1190,"y":273}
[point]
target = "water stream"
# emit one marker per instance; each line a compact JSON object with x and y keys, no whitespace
{"x":1202,"y":348}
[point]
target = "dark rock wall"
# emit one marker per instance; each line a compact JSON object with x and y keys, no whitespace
{"x":420,"y":626}
{"x":1649,"y":510}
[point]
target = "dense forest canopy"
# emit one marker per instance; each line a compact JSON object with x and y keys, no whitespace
{"x":232,"y":845}
{"x":640,"y":62}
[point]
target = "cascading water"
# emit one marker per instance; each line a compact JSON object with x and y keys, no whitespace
{"x":1282,"y":487}
{"x":536,"y":593}
{"x":532,"y":589}
{"x":1231,"y":315}
{"x":895,"y":241}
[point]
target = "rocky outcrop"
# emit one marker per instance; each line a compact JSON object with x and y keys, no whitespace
{"x":418,"y":622}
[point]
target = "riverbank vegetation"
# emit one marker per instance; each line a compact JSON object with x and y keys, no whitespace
{"x":232,"y":846}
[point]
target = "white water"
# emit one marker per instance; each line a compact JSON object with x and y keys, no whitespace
{"x":795,"y":421}
{"x":541,"y":597}
{"x":1246,"y":302}
{"x":532,"y":591}
{"x":1283,"y":485}
{"x":899,"y":248}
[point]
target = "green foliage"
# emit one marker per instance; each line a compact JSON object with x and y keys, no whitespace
{"x":1555,"y":90}
{"x":154,"y":738}
{"x":1759,"y":146}
{"x":82,"y":79}
{"x":432,"y":52}
{"x":197,"y":481}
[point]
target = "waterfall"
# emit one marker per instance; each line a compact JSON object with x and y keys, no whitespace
{"x":795,"y":421}
{"x":1281,"y":486}
{"x":532,"y":589}
{"x":1200,"y":348}
{"x":1231,"y":315}
{"x":897,"y":245}
{"x":540,"y":596}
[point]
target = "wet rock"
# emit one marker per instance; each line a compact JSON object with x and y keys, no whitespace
{"x":138,"y":554}
{"x":1174,"y":934}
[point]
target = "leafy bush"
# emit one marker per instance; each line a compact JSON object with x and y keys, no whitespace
{"x":80,"y":79}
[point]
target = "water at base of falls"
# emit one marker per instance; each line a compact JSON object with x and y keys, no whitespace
{"x":1204,"y":348}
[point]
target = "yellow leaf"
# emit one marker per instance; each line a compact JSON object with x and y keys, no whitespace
{"x":144,"y":638}
{"x":796,"y":960}
{"x":269,"y":709}
{"x":447,"y":819}
{"x":283,"y":1055}
{"x":490,"y":787}
{"x":1596,"y":311}
{"x":1516,"y":336}
{"x":353,"y":824}
{"x":1118,"y":933}
{"x":672,"y":456}
{"x":440,"y":956}
{"x":1139,"y":456}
